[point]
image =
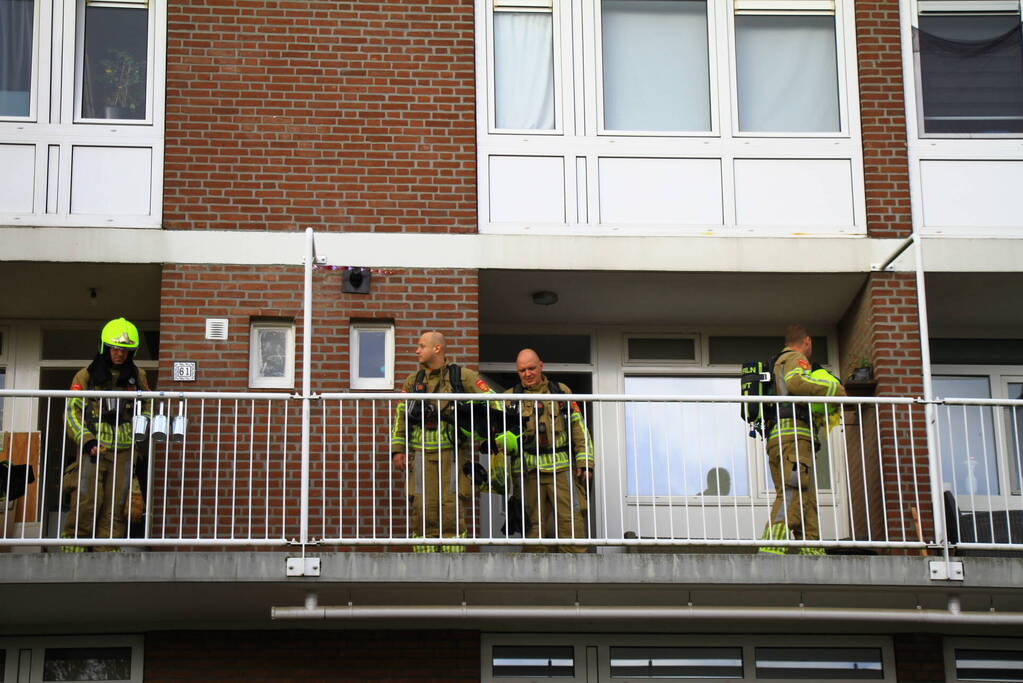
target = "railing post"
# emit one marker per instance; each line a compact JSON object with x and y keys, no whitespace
{"x":307,"y":335}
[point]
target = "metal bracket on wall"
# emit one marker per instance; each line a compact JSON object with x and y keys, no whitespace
{"x":940,"y":570}
{"x":303,"y":566}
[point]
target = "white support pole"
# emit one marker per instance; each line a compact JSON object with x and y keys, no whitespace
{"x":307,"y":343}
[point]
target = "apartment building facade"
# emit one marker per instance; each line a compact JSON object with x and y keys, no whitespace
{"x":645,"y":191}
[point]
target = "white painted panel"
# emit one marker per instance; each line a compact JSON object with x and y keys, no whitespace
{"x":527,"y":189}
{"x":111,"y":180}
{"x":971,"y":193}
{"x":17,"y":178}
{"x":675,"y":191}
{"x":794,"y":192}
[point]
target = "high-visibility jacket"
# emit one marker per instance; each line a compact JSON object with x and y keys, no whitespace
{"x":105,"y":421}
{"x":538,"y":451}
{"x":795,"y":377}
{"x":437,"y":434}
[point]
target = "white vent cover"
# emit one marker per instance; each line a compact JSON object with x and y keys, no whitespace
{"x":216,"y":329}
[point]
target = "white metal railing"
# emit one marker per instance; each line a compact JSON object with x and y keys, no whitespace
{"x":666,"y":471}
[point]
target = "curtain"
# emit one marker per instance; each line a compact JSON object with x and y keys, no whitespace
{"x":971,"y":73}
{"x":524,"y":70}
{"x":16,"y":33}
{"x":786,"y":74}
{"x":655,"y":65}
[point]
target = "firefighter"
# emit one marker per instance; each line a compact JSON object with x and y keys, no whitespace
{"x":426,"y":440}
{"x":555,"y":462}
{"x":790,"y":445}
{"x":100,"y":477}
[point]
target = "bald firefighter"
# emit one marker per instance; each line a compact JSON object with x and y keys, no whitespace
{"x":99,"y":480}
{"x":426,"y":442}
{"x":555,"y":462}
{"x":790,"y":444}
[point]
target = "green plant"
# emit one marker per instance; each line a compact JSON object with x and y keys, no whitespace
{"x":122,"y":73}
{"x":864,"y":362}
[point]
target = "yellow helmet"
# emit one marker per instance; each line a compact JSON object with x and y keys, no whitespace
{"x":120,"y":333}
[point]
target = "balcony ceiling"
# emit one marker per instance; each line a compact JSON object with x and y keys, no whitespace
{"x":669,"y":298}
{"x":62,"y":291}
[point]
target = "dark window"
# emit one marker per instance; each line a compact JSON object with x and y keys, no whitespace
{"x":661,"y":348}
{"x":989,"y":665}
{"x":819,"y":663}
{"x":977,"y":351}
{"x":87,"y":664}
{"x":541,"y":661}
{"x":971,"y":73}
{"x":676,"y":662}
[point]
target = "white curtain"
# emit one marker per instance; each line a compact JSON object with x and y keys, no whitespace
{"x":655,"y":65}
{"x":524,"y":70}
{"x":15,"y":56}
{"x":787,"y":74}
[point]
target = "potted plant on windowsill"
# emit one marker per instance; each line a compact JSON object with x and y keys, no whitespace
{"x":122,"y":74}
{"x":863,"y":372}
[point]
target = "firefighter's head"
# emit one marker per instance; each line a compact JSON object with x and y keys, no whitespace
{"x":430,"y":350}
{"x":798,"y":339}
{"x":530,"y":368}
{"x":119,"y":338}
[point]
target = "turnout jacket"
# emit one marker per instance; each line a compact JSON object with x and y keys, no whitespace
{"x":105,"y":422}
{"x":431,"y":436}
{"x":793,"y":377}
{"x":544,"y":453}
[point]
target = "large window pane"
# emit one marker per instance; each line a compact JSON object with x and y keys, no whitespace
{"x":685,"y":448}
{"x":541,"y":661}
{"x":114,"y":71}
{"x":16,"y":33}
{"x":819,"y":663}
{"x":524,"y":70}
{"x":655,"y":65}
{"x":787,"y":73}
{"x":988,"y":665}
{"x":971,"y":73}
{"x":966,"y":437}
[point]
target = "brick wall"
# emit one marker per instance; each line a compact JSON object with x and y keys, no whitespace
{"x":238,"y":472}
{"x":312,"y":655}
{"x":919,"y":658}
{"x":882,"y":325}
{"x":883,"y":118}
{"x":336,"y":115}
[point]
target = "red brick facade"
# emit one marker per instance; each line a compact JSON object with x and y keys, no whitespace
{"x":355,"y":116}
{"x":883,"y":118}
{"x":313,"y":655}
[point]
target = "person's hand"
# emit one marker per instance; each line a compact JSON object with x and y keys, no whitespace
{"x":584,"y":473}
{"x":398,"y":459}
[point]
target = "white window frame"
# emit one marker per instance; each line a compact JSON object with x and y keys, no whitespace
{"x":593,"y":661}
{"x":355,"y":380}
{"x":37,"y":648}
{"x":999,"y":377}
{"x":256,"y":381}
{"x":834,"y":8}
{"x":950,"y":644}
{"x":79,"y":52}
{"x":38,"y":16}
{"x":912,"y":72}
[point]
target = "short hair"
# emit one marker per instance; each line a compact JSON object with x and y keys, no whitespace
{"x":795,"y":334}
{"x":437,"y":339}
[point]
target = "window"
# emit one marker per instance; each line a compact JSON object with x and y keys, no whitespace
{"x":660,"y":349}
{"x":114,"y":59}
{"x":819,"y":663}
{"x":272,"y":354}
{"x":684,"y":449}
{"x":656,"y":71}
{"x":542,"y":661}
{"x":970,"y":67}
{"x":676,"y":662}
{"x":523,"y":64}
{"x":17,"y":52}
{"x":984,"y":659}
{"x":372,"y":356}
{"x":3,"y":371}
{"x":74,"y":658}
{"x":786,"y":67}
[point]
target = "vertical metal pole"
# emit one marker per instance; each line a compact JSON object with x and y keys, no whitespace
{"x":937,"y":495}
{"x":307,"y":337}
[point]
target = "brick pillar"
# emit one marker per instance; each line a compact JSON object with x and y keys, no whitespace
{"x":919,"y":658}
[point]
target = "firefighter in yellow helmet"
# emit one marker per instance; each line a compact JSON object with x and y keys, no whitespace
{"x":790,"y":444}
{"x":98,"y":482}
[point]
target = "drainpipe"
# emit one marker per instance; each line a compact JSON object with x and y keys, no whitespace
{"x":953,"y":615}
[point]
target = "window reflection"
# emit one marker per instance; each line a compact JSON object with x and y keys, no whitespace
{"x":966,"y":437}
{"x":115,"y":67}
{"x":685,"y":449}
